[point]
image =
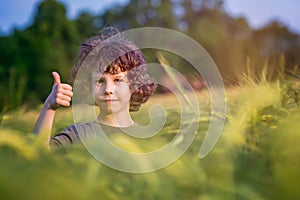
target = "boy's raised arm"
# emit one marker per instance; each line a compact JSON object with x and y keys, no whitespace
{"x":60,"y":95}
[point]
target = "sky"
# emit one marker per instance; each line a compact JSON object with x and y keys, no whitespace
{"x":19,"y":13}
{"x":260,"y":12}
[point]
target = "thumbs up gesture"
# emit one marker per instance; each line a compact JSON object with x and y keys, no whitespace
{"x":60,"y":95}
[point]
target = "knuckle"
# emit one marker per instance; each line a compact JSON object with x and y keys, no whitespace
{"x":57,"y":100}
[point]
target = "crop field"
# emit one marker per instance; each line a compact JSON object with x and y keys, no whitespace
{"x":257,"y":156}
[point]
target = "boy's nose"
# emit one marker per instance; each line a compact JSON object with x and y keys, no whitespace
{"x":109,"y":88}
{"x":108,"y":92}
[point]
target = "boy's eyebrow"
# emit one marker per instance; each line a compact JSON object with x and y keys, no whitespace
{"x":122,"y":76}
{"x":119,"y":76}
{"x":96,"y":76}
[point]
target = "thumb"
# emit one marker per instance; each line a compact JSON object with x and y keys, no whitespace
{"x":56,"y":78}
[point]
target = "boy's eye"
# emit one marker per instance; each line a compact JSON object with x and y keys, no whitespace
{"x":119,"y":80}
{"x":100,"y":81}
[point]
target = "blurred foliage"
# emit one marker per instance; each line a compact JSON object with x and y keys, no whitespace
{"x":50,"y":43}
{"x":256,"y":157}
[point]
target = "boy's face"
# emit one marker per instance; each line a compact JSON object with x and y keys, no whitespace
{"x":112,"y":93}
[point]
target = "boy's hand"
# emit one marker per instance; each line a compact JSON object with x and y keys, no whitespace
{"x":61,"y":94}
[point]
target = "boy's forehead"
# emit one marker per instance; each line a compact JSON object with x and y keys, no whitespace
{"x":106,"y":74}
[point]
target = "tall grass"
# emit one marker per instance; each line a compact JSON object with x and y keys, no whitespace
{"x":257,"y":156}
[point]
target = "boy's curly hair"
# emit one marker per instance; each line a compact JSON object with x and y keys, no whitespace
{"x":110,"y":52}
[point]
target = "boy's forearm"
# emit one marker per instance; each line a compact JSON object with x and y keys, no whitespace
{"x":44,"y":122}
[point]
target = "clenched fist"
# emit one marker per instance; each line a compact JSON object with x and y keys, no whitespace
{"x":61,"y":94}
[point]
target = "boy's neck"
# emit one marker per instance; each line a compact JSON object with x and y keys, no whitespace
{"x":116,"y":120}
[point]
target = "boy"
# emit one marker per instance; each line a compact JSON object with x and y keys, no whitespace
{"x":116,"y":75}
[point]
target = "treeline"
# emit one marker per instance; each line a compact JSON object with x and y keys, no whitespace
{"x":50,"y":43}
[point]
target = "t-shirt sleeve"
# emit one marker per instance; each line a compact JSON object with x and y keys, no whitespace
{"x":65,"y":138}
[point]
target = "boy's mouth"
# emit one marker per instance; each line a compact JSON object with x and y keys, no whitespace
{"x":108,"y":100}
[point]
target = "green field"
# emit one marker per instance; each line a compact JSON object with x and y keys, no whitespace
{"x":257,"y":156}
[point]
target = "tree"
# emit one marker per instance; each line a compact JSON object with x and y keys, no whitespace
{"x":273,"y":41}
{"x":50,"y":43}
{"x":86,"y":25}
